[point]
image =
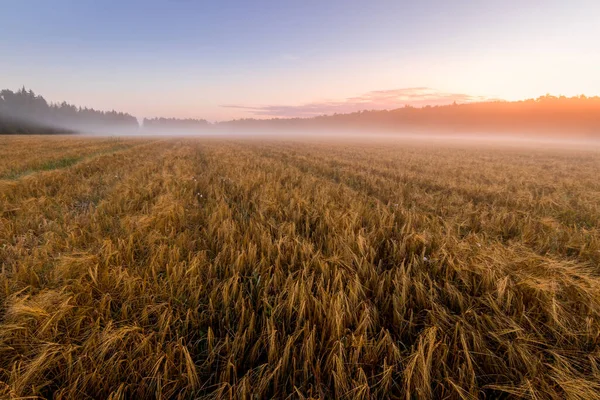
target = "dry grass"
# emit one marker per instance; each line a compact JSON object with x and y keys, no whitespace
{"x":245,"y":269}
{"x":23,"y":155}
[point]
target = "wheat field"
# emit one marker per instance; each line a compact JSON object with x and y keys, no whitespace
{"x":179,"y":268}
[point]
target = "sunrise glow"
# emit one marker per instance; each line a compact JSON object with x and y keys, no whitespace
{"x":276,"y":59}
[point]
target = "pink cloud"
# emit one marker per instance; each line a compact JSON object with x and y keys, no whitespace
{"x":375,"y":100}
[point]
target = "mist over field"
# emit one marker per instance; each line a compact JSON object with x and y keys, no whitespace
{"x":300,"y":200}
{"x":546,"y":117}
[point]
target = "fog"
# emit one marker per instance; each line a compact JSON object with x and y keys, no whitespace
{"x":547,"y":121}
{"x":523,"y":140}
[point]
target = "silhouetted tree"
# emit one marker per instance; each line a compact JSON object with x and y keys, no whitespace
{"x":25,"y":108}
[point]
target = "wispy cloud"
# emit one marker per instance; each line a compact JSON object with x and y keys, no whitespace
{"x":375,"y":100}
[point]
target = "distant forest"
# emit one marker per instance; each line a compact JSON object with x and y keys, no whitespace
{"x":25,"y":112}
{"x":546,"y":115}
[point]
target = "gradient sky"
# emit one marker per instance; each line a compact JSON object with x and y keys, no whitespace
{"x":230,"y":59}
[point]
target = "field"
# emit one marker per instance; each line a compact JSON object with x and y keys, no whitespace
{"x":381,"y":268}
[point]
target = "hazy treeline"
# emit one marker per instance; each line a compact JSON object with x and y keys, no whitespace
{"x":544,"y":115}
{"x":25,"y":112}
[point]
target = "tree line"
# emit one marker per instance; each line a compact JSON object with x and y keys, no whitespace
{"x":25,"y":112}
{"x":548,"y":115}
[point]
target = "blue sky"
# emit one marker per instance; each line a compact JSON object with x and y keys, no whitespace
{"x":229,"y":59}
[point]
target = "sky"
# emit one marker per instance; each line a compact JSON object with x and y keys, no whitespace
{"x":221,"y":60}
